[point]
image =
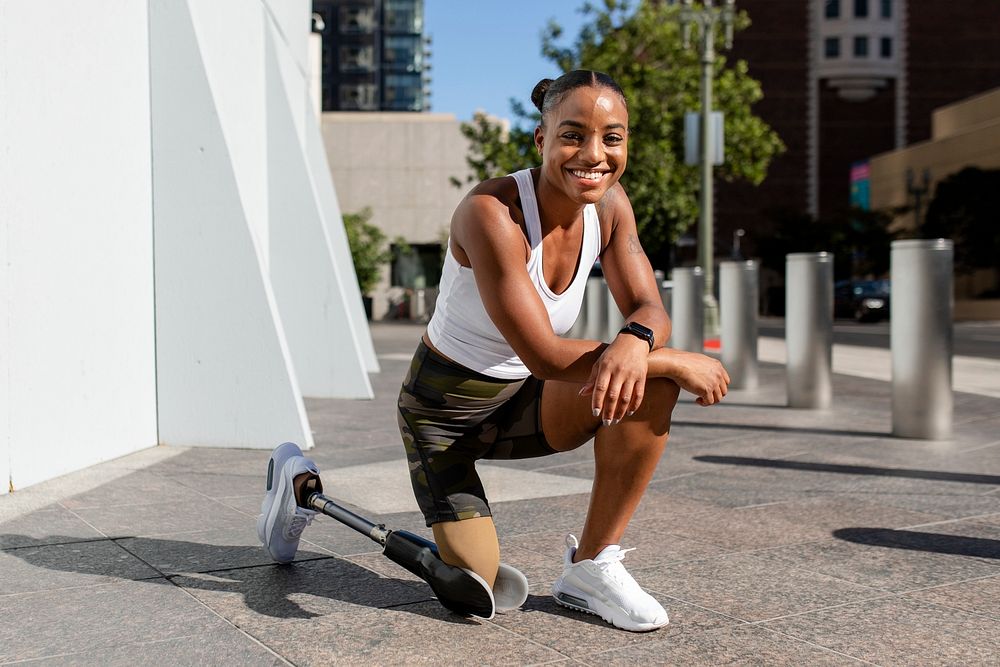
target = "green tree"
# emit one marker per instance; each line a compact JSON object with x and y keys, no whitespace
{"x":368,"y":248}
{"x":966,"y":209}
{"x":640,"y":46}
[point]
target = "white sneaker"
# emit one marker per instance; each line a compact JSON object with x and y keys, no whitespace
{"x":282,"y":521}
{"x":603,"y":587}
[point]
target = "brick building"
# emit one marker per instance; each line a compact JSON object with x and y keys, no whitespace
{"x":844,"y":80}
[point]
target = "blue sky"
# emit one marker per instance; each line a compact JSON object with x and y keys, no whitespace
{"x":487,"y":51}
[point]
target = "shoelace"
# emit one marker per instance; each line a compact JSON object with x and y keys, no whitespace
{"x":297,"y":524}
{"x":612,"y":566}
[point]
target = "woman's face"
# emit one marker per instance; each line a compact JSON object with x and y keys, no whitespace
{"x":584,"y":143}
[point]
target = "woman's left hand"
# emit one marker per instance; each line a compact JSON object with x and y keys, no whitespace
{"x":618,"y":379}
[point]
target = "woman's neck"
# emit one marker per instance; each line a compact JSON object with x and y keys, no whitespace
{"x":555,"y":209}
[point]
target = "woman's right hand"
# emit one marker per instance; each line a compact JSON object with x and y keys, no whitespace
{"x":701,"y":375}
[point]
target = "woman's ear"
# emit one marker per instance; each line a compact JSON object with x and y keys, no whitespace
{"x":539,"y":138}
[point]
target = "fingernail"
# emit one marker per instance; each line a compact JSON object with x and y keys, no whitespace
{"x":582,"y":389}
{"x":631,"y":412}
{"x":607,"y":422}
{"x":597,"y":412}
{"x":616,"y":422}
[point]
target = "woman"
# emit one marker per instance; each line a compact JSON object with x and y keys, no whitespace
{"x":492,"y":378}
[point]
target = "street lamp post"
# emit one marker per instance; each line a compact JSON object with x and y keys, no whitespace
{"x":707,"y":17}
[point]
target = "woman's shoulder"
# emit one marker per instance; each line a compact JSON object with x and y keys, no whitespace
{"x":493,"y":197}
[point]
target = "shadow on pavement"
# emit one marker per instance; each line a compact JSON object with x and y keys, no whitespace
{"x":957,"y":545}
{"x":266,"y":588}
{"x":969,"y":478}
{"x":788,"y":429}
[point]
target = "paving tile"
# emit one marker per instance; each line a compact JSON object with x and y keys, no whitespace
{"x":580,"y":635}
{"x":881,"y":567}
{"x":774,"y":524}
{"x":216,"y":484}
{"x":206,"y":551}
{"x":563,"y":513}
{"x":750,"y":587}
{"x":300,"y":590}
{"x":40,"y":568}
{"x":977,"y":596}
{"x":735,"y":645}
{"x":423,"y":633}
{"x":164,"y":519}
{"x":224,"y":647}
{"x":35,"y":625}
{"x":52,"y":525}
{"x":899,"y":631}
{"x":138,"y":488}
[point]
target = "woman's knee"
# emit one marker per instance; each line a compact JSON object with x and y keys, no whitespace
{"x":658,"y":403}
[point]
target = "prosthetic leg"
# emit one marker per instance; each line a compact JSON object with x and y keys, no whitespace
{"x":462,"y":591}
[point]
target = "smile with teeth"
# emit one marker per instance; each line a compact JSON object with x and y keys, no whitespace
{"x":589,"y":175}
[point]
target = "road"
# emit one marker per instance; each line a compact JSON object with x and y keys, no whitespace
{"x":971,"y":339}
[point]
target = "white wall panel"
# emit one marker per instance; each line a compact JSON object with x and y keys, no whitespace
{"x":333,"y":222}
{"x":231,"y":42}
{"x":324,"y":348}
{"x":76,"y":357}
{"x":290,"y":28}
{"x":224,"y":372}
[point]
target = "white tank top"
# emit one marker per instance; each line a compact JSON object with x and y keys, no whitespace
{"x":463,"y":331}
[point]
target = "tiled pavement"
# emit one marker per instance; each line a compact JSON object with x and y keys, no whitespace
{"x":773,"y":536}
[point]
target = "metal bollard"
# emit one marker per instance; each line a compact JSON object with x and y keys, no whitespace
{"x":738,"y":313}
{"x":921,"y":338}
{"x":594,"y":307}
{"x":809,"y":328}
{"x":614,"y":320}
{"x":687,"y":317}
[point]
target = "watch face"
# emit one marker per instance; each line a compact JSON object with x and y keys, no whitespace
{"x":638,"y":328}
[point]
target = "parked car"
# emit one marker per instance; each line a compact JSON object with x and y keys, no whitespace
{"x":864,"y":300}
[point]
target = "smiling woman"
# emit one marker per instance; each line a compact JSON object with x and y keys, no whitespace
{"x":493,"y":378}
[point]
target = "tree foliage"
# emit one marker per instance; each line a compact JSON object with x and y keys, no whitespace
{"x":368,"y":248}
{"x":966,"y":209}
{"x":641,"y":47}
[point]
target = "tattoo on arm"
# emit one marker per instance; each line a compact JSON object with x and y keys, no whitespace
{"x":633,"y":245}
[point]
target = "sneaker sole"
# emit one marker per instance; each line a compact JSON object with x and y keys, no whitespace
{"x":579,"y":603}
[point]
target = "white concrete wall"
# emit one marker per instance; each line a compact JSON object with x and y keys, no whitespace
{"x":343,"y":263}
{"x":137,"y":199}
{"x":225,"y":376}
{"x":231,"y":42}
{"x":322,"y":342}
{"x":76,"y":352}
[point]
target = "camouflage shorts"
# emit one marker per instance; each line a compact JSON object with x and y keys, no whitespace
{"x":450,"y":417}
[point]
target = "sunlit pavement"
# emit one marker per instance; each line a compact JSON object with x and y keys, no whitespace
{"x":772,"y":536}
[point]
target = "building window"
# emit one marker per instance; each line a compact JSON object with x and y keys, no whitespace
{"x":860,"y":9}
{"x":360,"y":96}
{"x":355,"y":20}
{"x":357,"y":58}
{"x":403,"y":92}
{"x":831,"y":47}
{"x":403,"y":16}
{"x":887,"y":9}
{"x":885,"y":47}
{"x":860,"y":46}
{"x":403,"y":52}
{"x":832,"y":9}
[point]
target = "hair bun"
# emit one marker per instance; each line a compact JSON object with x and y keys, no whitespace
{"x":538,"y":93}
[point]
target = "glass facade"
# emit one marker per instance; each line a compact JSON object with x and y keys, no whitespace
{"x":373,"y":55}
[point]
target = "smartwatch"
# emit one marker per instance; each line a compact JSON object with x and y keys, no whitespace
{"x":639,"y":331}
